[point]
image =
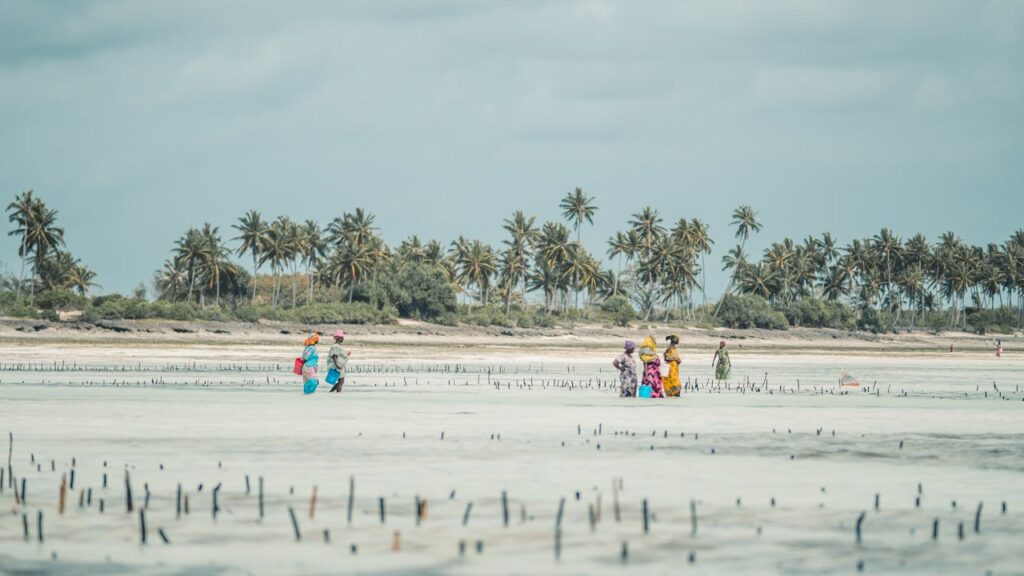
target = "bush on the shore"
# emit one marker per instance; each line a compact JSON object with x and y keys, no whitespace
{"x":998,"y":320}
{"x":748,"y":311}
{"x":60,"y":299}
{"x":424,"y":292}
{"x":817,"y":313}
{"x":343,"y":313}
{"x":618,"y":310}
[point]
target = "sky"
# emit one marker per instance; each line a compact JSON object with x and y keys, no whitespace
{"x":137,"y":120}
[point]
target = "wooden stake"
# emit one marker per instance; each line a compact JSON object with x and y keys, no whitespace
{"x":63,"y":493}
{"x":312,"y":504}
{"x":295,"y":524}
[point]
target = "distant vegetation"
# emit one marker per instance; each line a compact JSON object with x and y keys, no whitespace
{"x":540,"y":276}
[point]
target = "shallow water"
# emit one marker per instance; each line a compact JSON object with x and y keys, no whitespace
{"x":534,"y":425}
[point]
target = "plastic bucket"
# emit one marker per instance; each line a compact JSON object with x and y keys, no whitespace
{"x":298,"y":366}
{"x":332,"y":376}
{"x":644,"y":391}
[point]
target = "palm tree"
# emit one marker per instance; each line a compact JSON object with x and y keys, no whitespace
{"x":81,"y":279}
{"x":214,"y":264}
{"x":21,"y":212}
{"x":189,"y":250}
{"x":577,"y":207}
{"x":523,"y":235}
{"x":619,"y":245}
{"x":171,"y":278}
{"x":252,"y":233}
{"x":700,"y":240}
{"x":475,"y":264}
{"x":44,"y":236}
{"x":314,"y":248}
{"x":744,"y":218}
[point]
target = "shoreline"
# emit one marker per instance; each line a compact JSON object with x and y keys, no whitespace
{"x":149,"y":333}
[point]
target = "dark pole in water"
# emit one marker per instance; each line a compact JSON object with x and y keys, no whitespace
{"x":693,"y":517}
{"x":295,"y":524}
{"x":142,"y":525}
{"x":860,"y":521}
{"x":261,"y":497}
{"x":39,"y":525}
{"x":977,"y":519}
{"x":351,"y":496}
{"x":128,"y":491}
{"x":504,"y":507}
{"x":465,"y":515}
{"x":646,"y":518}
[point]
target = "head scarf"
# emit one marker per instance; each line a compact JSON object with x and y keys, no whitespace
{"x":673,"y":339}
{"x":721,"y":343}
{"x":648,"y":350}
{"x":312,"y":340}
{"x":630,"y":346}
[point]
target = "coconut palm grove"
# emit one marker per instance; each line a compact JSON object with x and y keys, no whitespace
{"x":273,"y":267}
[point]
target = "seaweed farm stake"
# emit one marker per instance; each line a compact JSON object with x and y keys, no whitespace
{"x":646,"y":519}
{"x":504,"y":507}
{"x":312,"y":504}
{"x":295,"y":524}
{"x":142,"y":526}
{"x":261,"y":497}
{"x":380,"y":504}
{"x":860,"y":521}
{"x":63,"y":493}
{"x":128,"y":491}
{"x":977,"y":519}
{"x":351,"y":496}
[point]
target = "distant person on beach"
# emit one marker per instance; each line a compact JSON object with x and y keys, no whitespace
{"x":310,"y":359}
{"x":337,"y":358}
{"x":721,"y":362}
{"x":652,"y":367}
{"x":999,"y":348}
{"x":626,"y":366}
{"x":672,"y":358}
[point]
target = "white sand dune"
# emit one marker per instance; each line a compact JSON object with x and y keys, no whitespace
{"x":778,"y":474}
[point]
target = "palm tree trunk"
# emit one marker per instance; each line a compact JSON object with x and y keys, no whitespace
{"x":24,"y":255}
{"x":255,"y":275}
{"x":294,"y":285}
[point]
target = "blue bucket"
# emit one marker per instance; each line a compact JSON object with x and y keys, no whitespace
{"x":644,"y":391}
{"x":332,"y":376}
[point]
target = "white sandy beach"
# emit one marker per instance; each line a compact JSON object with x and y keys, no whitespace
{"x":459,"y":424}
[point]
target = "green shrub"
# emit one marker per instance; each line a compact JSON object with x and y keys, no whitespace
{"x":748,"y":311}
{"x":60,"y":299}
{"x":423,"y":291}
{"x":872,"y":320}
{"x":618,"y":310}
{"x":816,"y":313}
{"x":345,"y":313}
{"x":998,"y":320}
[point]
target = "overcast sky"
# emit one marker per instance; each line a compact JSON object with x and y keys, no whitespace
{"x":138,"y":119}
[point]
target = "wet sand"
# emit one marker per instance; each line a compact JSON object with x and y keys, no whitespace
{"x":779,"y":463}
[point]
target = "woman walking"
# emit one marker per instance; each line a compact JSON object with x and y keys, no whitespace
{"x":310,"y":359}
{"x":672,"y":358}
{"x":338,"y":359}
{"x":652,"y":367}
{"x":721,"y":362}
{"x":626,"y":366}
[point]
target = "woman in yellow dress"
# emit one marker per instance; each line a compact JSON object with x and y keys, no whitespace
{"x":672,"y":358}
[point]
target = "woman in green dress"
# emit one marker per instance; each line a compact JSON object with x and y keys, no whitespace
{"x":721,"y":362}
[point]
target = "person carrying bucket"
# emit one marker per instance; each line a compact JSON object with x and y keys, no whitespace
{"x":309,"y":360}
{"x":337,"y":359}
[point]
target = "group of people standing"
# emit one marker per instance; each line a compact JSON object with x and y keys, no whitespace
{"x":308,"y":364}
{"x":653,"y":384}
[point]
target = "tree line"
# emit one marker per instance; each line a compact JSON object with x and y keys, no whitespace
{"x":657,"y":267}
{"x":41,"y":244}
